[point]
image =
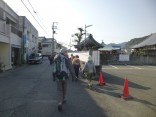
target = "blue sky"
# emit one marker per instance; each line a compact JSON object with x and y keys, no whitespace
{"x":113,"y":21}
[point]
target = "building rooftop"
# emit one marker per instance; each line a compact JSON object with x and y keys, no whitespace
{"x":89,"y":43}
{"x":149,"y":41}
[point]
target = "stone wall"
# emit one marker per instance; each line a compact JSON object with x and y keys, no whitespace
{"x":134,"y":60}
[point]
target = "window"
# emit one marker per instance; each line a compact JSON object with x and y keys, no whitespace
{"x":32,"y":38}
{"x":45,"y":45}
{"x":1,"y":14}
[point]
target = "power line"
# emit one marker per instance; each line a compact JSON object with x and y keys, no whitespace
{"x":37,"y":15}
{"x":34,"y":17}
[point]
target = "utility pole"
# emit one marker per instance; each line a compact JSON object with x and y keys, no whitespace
{"x":53,"y":33}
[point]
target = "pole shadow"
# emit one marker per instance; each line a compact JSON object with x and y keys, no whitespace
{"x":112,"y":79}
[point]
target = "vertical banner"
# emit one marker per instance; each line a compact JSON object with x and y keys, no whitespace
{"x":96,"y":57}
{"x":24,"y":40}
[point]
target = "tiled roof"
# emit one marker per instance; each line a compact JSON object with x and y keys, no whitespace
{"x":90,"y":41}
{"x":149,"y":41}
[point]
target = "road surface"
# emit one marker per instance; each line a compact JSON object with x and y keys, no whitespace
{"x":29,"y":91}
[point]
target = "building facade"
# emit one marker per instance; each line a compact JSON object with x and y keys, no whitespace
{"x":47,"y":47}
{"x":29,"y":38}
{"x":10,"y":37}
{"x":18,"y":38}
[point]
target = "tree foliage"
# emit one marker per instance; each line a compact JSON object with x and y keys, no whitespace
{"x":78,"y":36}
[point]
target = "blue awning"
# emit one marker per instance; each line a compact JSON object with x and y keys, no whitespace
{"x":15,"y":46}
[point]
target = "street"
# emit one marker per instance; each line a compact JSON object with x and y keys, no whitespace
{"x":29,"y":91}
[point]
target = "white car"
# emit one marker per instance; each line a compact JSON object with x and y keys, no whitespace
{"x":35,"y":58}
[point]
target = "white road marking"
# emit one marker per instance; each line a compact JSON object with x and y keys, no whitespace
{"x":128,"y":67}
{"x":117,"y":68}
{"x":134,"y":67}
{"x":113,"y":66}
{"x":151,"y":67}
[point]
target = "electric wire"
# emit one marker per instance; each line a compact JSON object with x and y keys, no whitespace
{"x":37,"y":15}
{"x":34,"y":17}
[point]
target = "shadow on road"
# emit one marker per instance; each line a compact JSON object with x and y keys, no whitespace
{"x":110,"y":89}
{"x":80,"y":103}
{"x":113,"y":90}
{"x":144,"y":101}
{"x":38,"y":96}
{"x":109,"y":78}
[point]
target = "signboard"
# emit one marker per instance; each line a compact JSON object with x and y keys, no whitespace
{"x":96,"y":57}
{"x":124,"y":57}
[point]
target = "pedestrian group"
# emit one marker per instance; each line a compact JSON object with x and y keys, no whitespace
{"x":65,"y":67}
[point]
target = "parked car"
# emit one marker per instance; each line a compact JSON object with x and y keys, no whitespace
{"x":35,"y":58}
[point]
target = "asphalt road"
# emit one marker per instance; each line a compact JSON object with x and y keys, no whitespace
{"x":142,"y":87}
{"x":29,"y":91}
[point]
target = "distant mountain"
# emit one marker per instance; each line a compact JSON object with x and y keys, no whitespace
{"x":122,"y":45}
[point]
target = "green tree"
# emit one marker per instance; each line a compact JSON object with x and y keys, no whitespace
{"x":78,"y":36}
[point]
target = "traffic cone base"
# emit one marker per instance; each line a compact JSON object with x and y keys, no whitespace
{"x":126,"y":98}
{"x":101,"y":84}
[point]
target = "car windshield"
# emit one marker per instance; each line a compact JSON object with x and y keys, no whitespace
{"x":32,"y":56}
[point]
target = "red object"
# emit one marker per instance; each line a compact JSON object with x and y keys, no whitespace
{"x":101,"y":80}
{"x":125,"y":94}
{"x":125,"y":90}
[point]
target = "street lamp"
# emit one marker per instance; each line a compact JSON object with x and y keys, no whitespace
{"x":86,"y":26}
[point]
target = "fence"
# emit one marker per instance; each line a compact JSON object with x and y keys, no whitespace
{"x":134,"y":59}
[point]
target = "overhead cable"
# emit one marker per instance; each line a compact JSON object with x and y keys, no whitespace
{"x":34,"y":17}
{"x":37,"y":15}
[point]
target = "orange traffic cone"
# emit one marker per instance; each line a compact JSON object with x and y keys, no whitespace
{"x":101,"y":80}
{"x":125,"y":94}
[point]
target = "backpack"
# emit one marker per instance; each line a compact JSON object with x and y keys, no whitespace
{"x":76,"y":61}
{"x":60,"y":67}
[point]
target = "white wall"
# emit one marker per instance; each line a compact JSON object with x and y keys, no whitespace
{"x":8,"y":12}
{"x":4,"y":30}
{"x":30,"y":32}
{"x":83,"y":55}
{"x":2,"y":4}
{"x":4,"y":39}
{"x":15,"y":39}
{"x":32,"y":35}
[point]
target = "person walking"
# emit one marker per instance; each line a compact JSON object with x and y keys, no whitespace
{"x":89,"y":71}
{"x":71,"y":57}
{"x":72,"y":71}
{"x":61,"y":70}
{"x":50,"y":59}
{"x":76,"y":64}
